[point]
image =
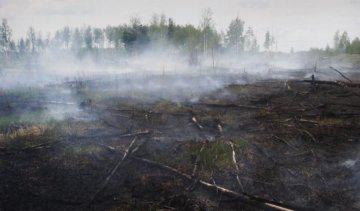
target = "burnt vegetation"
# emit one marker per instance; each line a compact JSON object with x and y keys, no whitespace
{"x":271,"y":144}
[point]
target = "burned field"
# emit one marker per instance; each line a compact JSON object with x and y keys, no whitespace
{"x":268,"y":144}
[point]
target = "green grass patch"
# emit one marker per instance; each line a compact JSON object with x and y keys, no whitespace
{"x":216,"y":156}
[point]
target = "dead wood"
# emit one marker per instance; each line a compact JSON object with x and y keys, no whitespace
{"x":344,"y":104}
{"x":219,"y":128}
{"x":58,"y":102}
{"x":283,"y":140}
{"x":37,"y":146}
{"x":287,"y":85}
{"x":112,"y":172}
{"x":236,"y":166}
{"x":197,"y":160}
{"x":216,"y":105}
{"x":146,"y":132}
{"x":168,"y":113}
{"x":246,"y":198}
{"x":308,"y":121}
{"x":303,"y":131}
{"x":342,"y":75}
{"x":112,"y":135}
{"x":342,"y":115}
{"x":336,"y":83}
{"x":196,"y":123}
{"x":121,"y":115}
{"x":243,"y":197}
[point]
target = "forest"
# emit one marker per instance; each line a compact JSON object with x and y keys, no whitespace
{"x":161,"y":32}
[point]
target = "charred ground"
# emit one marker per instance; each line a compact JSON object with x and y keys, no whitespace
{"x":287,"y":143}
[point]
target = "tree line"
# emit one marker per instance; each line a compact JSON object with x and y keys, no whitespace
{"x":343,"y":44}
{"x":135,"y":37}
{"x":161,"y":32}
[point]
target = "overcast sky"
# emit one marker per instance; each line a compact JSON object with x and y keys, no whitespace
{"x":300,"y":24}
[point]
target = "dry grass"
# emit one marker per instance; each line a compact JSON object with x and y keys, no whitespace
{"x":167,"y":107}
{"x":25,"y":132}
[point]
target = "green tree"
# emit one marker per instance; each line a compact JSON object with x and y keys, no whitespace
{"x":88,"y":38}
{"x":170,"y":29}
{"x":336,"y":40}
{"x":99,"y":38}
{"x":39,"y":42}
{"x":344,"y":42}
{"x":157,"y":30}
{"x":66,"y":36}
{"x":31,"y":37}
{"x":206,"y":26}
{"x":250,"y":41}
{"x":128,"y":38}
{"x":5,"y":36}
{"x":22,"y":46}
{"x":269,"y":41}
{"x":77,"y":40}
{"x":235,"y":38}
{"x":135,"y":38}
{"x":354,"y":47}
{"x":187,"y":38}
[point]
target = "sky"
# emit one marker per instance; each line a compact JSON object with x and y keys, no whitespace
{"x":297,"y":24}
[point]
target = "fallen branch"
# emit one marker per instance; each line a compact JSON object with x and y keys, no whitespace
{"x":236,"y":165}
{"x":303,"y":131}
{"x":196,"y":123}
{"x":336,"y":83}
{"x":308,"y":121}
{"x":107,"y":179}
{"x":196,"y":164}
{"x":114,"y":135}
{"x":216,"y":105}
{"x":146,"y":132}
{"x":219,"y":128}
{"x":59,"y":102}
{"x":246,"y":198}
{"x":340,"y":74}
{"x":283,"y":140}
{"x":5,"y":151}
{"x":37,"y":146}
{"x":344,"y":104}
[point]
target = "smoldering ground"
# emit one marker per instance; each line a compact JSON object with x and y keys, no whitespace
{"x":68,"y":124}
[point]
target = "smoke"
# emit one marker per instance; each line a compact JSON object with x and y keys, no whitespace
{"x":164,"y":74}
